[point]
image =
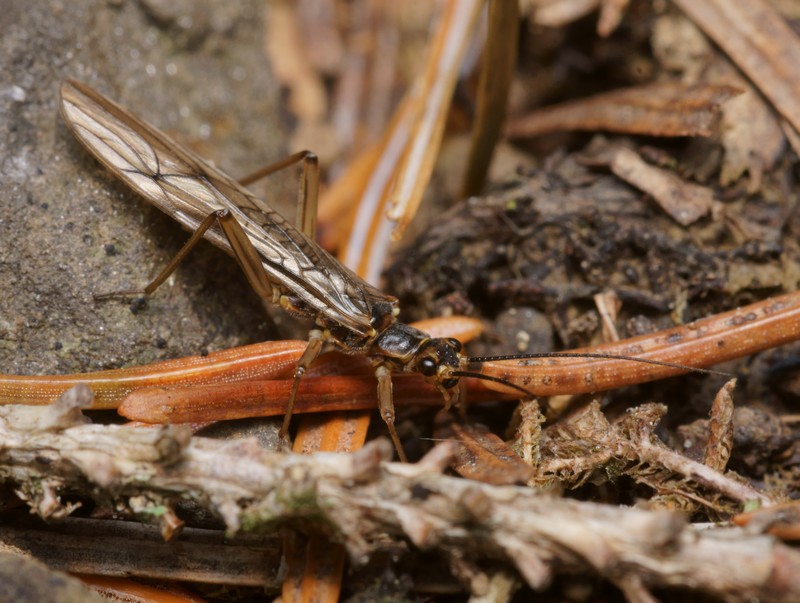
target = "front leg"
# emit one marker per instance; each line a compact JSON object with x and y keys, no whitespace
{"x":315,"y":341}
{"x":386,"y":405}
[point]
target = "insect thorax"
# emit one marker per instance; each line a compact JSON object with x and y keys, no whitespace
{"x":399,"y":343}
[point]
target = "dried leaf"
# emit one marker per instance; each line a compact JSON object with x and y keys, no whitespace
{"x":529,"y":432}
{"x":751,"y":136}
{"x":664,"y":109}
{"x":557,"y":13}
{"x":291,"y":65}
{"x":481,"y":455}
{"x":749,"y":129}
{"x":611,"y":13}
{"x":720,"y":439}
{"x":760,"y":43}
{"x":680,"y":47}
{"x":683,"y":201}
{"x":608,"y":305}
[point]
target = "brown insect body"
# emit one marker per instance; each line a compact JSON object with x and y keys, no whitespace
{"x":284,"y":265}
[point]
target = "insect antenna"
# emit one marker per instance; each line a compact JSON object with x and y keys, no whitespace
{"x":495,"y":379}
{"x":674,"y":365}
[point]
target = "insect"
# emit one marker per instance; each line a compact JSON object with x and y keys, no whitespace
{"x":283,"y":265}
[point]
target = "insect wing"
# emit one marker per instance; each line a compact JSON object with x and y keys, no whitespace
{"x":188,"y":189}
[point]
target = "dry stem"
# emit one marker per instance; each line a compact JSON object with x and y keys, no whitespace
{"x":361,"y":498}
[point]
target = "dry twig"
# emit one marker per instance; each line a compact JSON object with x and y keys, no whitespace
{"x":361,"y":498}
{"x":588,"y":446}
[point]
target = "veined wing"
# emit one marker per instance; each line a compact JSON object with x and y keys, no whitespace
{"x":187,"y":188}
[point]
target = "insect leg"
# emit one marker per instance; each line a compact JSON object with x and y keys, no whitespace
{"x":315,"y":341}
{"x":306,"y":220}
{"x":243,"y":251}
{"x":207,"y":223}
{"x":246,"y":255}
{"x":386,"y":406}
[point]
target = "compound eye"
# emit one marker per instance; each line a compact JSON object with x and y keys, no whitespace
{"x":455,"y":343}
{"x":449,"y":383}
{"x":427,"y":366}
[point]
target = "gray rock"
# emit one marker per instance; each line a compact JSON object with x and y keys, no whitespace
{"x":68,"y":229}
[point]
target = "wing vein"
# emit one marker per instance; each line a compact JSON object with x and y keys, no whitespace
{"x":188,"y":189}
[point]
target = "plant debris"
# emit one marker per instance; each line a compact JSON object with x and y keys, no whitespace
{"x":652,"y":183}
{"x":358,"y":499}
